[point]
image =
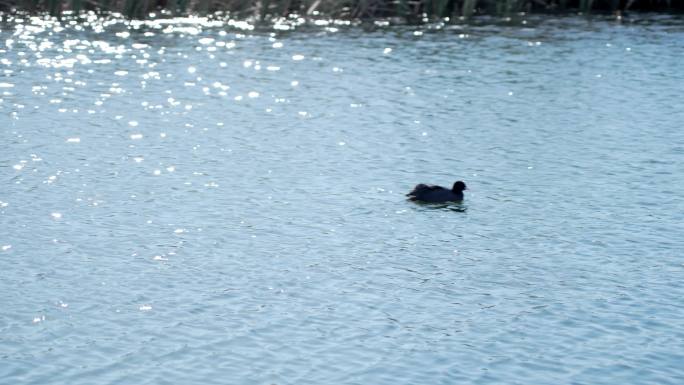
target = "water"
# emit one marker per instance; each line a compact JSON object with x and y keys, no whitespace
{"x":190,"y":203}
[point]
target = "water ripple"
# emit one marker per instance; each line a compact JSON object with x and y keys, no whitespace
{"x":191,"y":200}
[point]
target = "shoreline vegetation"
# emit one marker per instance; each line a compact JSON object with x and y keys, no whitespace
{"x":396,"y":11}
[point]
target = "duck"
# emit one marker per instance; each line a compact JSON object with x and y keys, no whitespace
{"x":437,"y":194}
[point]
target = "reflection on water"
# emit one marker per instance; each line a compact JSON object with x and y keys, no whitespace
{"x":450,"y":206}
{"x":190,"y":200}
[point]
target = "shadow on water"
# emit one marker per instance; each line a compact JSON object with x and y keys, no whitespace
{"x":449,"y":206}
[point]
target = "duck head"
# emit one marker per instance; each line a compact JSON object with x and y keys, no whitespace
{"x":459,"y":187}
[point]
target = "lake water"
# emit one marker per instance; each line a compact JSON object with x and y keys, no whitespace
{"x":187,"y":202}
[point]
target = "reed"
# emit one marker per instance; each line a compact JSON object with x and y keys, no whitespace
{"x":439,"y":8}
{"x":204,"y":7}
{"x":411,"y":11}
{"x":469,"y":8}
{"x":180,"y":6}
{"x":130,"y":7}
{"x":27,"y":5}
{"x":402,"y":8}
{"x":104,"y":6}
{"x":53,"y":7}
{"x":585,"y":5}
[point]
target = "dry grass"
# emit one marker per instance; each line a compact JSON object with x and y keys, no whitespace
{"x":412,"y":11}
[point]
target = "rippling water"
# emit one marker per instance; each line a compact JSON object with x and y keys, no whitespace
{"x":190,"y":202}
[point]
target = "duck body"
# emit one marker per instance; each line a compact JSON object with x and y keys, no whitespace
{"x":437,"y":194}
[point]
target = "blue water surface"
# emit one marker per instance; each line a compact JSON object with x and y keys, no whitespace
{"x":192,"y":202}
